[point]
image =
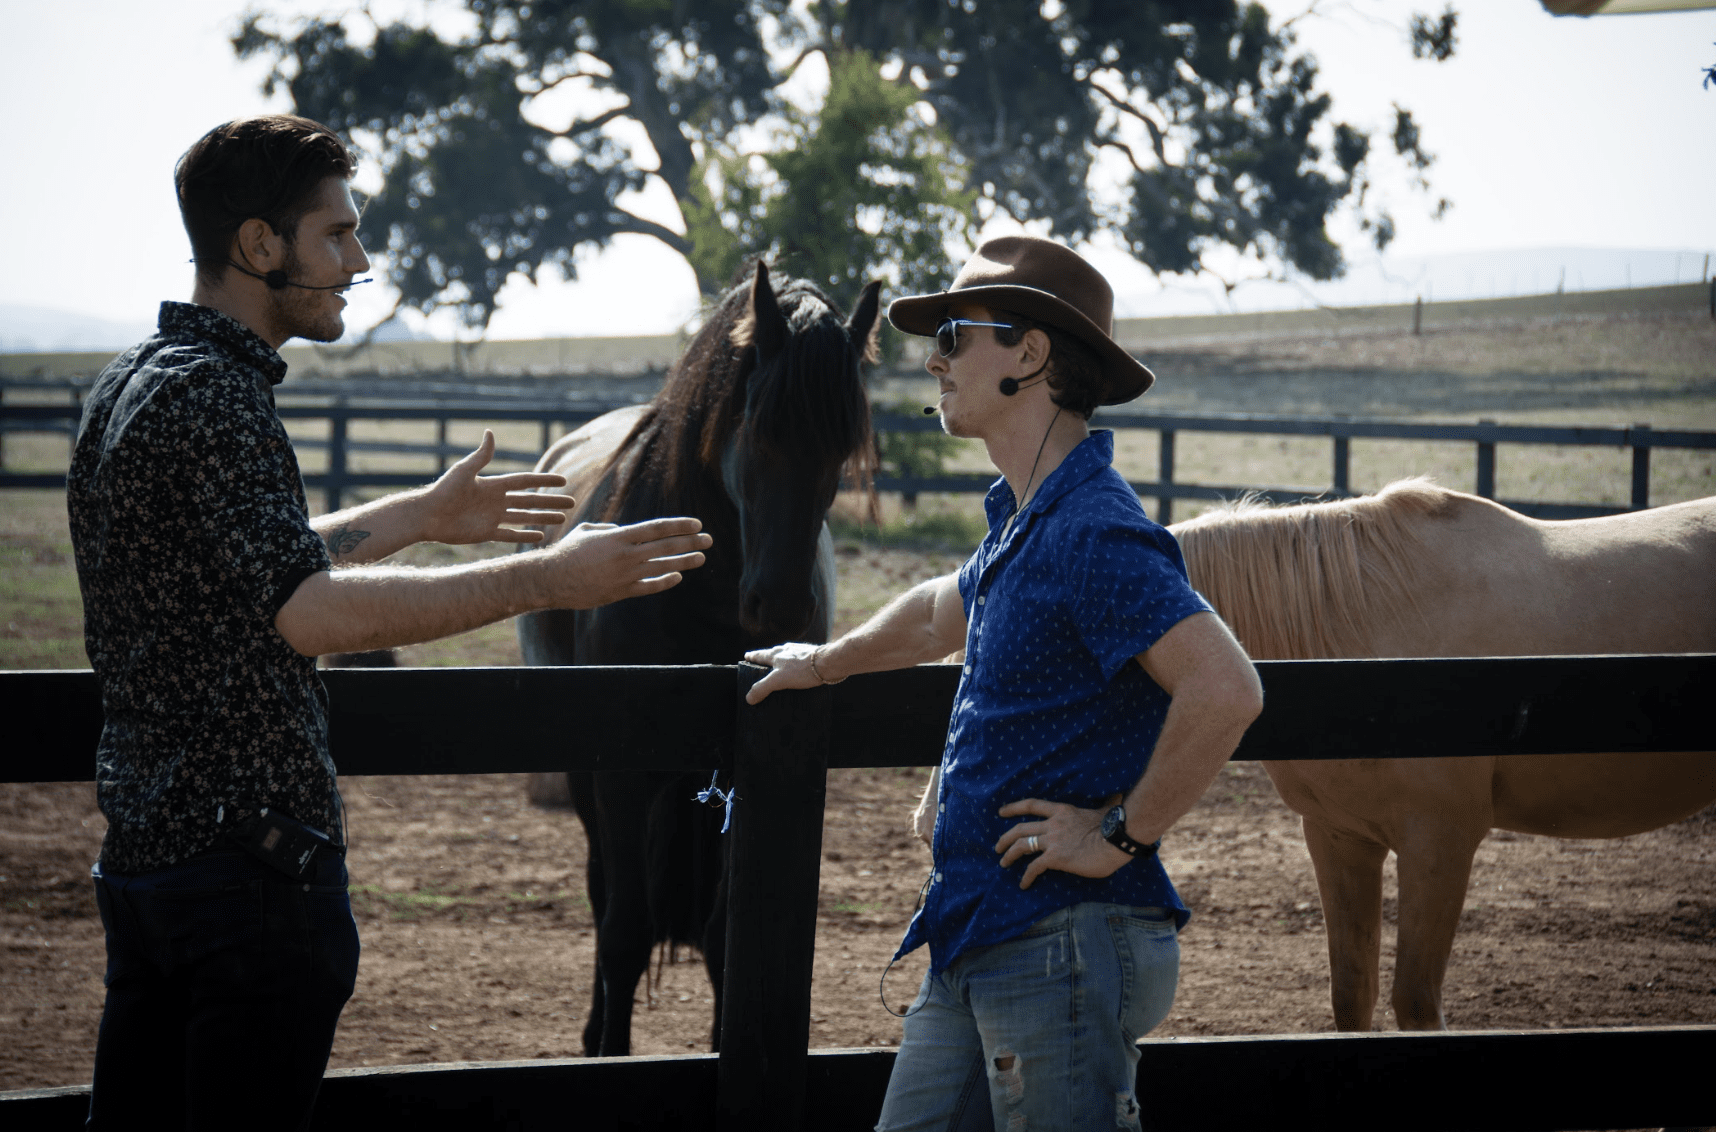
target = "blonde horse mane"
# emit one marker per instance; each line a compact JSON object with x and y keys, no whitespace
{"x":1315,"y":579}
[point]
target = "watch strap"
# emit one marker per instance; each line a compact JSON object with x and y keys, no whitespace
{"x":1124,"y":842}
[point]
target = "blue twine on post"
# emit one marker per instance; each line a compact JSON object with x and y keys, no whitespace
{"x":710,"y":794}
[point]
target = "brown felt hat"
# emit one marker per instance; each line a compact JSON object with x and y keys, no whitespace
{"x":1042,"y":280}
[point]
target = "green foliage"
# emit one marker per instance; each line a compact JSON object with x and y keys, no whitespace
{"x":1217,"y":132}
{"x":861,"y":189}
{"x":1435,"y":38}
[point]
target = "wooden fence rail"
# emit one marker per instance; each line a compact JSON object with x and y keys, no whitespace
{"x":406,"y":721}
{"x":339,"y":478}
{"x":1527,"y":1081}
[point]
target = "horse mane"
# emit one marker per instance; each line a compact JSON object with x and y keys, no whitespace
{"x":703,"y":401}
{"x":1313,"y":580}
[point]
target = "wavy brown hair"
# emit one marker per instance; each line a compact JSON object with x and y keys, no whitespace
{"x":265,"y":168}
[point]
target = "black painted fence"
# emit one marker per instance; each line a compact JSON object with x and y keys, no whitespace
{"x":437,"y":721}
{"x":373,"y":402}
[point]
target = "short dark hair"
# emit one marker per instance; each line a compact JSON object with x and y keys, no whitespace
{"x":265,"y":168}
{"x":1075,"y":371}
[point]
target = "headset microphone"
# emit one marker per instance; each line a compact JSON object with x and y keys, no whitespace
{"x":930,"y":410}
{"x":1010,"y":385}
{"x":277,"y":281}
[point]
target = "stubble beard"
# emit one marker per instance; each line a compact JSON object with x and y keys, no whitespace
{"x":305,"y":314}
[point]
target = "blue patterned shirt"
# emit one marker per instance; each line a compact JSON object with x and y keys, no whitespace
{"x":1051,"y":704}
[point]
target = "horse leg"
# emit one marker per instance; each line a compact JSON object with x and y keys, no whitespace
{"x":582,"y":791}
{"x":625,"y":937}
{"x":1349,"y":882}
{"x":1435,"y":867}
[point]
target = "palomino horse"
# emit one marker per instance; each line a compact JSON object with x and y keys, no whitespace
{"x":1419,"y":571}
{"x":752,"y":432}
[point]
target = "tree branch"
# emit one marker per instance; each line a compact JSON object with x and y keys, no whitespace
{"x":626,"y":222}
{"x":1123,"y":148}
{"x":544,"y":87}
{"x":1158,"y":139}
{"x":595,"y":123}
{"x":1310,"y":10}
{"x":792,"y":67}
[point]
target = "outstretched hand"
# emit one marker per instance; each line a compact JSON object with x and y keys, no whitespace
{"x":1068,"y":839}
{"x":597,"y":563}
{"x":464,"y":507}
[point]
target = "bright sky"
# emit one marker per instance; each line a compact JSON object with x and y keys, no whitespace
{"x":1550,"y":133}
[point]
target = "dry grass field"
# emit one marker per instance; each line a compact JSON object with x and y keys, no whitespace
{"x":477,"y":935}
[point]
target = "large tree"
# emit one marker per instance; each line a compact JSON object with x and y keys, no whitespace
{"x":938,"y":113}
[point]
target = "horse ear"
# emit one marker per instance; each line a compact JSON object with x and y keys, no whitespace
{"x":864,"y":325}
{"x":767,"y":326}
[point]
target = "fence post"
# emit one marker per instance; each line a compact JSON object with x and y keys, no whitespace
{"x":1641,"y":466}
{"x":77,"y":425}
{"x":1487,"y":466}
{"x":1343,"y":465}
{"x":774,"y":863}
{"x":1165,"y":477}
{"x":441,"y":445}
{"x":336,"y":454}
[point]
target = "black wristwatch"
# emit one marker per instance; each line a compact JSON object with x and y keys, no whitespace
{"x":1114,"y":832}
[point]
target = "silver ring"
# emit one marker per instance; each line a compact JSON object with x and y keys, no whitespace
{"x":1031,"y":843}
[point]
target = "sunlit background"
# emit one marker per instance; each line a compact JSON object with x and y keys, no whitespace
{"x":1577,"y":153}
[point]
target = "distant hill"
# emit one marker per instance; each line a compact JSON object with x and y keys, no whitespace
{"x":1380,"y":280}
{"x":36,"y":330}
{"x":1150,"y":307}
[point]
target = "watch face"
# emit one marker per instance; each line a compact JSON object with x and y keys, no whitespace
{"x":1112,"y":822}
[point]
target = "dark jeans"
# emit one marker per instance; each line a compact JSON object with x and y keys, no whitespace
{"x":224,"y":982}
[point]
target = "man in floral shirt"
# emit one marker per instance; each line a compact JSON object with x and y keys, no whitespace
{"x":209,"y":592}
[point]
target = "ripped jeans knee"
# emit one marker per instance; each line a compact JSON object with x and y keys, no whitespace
{"x":1008,"y":1078}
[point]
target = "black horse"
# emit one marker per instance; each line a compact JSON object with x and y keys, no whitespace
{"x":753,"y":431}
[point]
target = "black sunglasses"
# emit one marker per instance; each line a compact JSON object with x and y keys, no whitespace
{"x":947,"y":334}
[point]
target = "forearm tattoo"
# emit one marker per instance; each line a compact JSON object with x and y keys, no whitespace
{"x":345,"y":540}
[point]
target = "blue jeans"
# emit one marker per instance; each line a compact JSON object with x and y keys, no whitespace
{"x":224,"y":983}
{"x":1039,"y":1032}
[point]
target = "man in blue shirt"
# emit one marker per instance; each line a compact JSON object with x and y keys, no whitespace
{"x":1050,"y":920}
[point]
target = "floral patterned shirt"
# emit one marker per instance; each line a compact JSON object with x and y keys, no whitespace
{"x":190,"y":529}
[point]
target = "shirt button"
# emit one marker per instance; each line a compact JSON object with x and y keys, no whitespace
{"x":938,"y":878}
{"x":942,"y":808}
{"x":966,"y":670}
{"x":979,"y":599}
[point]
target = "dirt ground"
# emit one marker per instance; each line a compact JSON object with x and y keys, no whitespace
{"x":478,"y":940}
